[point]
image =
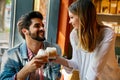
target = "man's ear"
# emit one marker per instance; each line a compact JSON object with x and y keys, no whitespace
{"x":25,"y":31}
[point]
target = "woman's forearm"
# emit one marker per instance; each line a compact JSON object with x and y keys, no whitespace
{"x":62,"y":61}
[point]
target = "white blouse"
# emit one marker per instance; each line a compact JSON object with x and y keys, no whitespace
{"x":101,"y":64}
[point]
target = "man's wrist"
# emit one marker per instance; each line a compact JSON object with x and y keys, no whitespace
{"x":22,"y":74}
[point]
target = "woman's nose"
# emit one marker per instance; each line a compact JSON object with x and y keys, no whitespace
{"x":69,"y":21}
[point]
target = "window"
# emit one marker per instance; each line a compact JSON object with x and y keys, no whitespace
{"x":5,"y":17}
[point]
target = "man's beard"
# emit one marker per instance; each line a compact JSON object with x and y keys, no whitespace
{"x":36,"y":36}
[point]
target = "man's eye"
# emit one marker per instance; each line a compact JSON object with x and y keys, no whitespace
{"x":37,"y":26}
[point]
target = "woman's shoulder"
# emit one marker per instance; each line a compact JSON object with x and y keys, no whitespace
{"x":106,"y":33}
{"x":108,"y":30}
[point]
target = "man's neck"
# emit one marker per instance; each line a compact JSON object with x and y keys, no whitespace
{"x":35,"y":46}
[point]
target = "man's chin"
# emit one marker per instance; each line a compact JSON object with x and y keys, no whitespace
{"x":38,"y":38}
{"x":43,"y":39}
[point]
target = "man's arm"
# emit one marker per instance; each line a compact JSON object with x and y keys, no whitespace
{"x":9,"y":67}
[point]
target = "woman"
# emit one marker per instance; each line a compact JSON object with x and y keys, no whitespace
{"x":93,"y":45}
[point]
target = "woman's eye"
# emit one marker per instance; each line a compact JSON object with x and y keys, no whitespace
{"x":71,"y":17}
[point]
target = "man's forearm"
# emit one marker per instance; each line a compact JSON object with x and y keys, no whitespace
{"x":22,"y":74}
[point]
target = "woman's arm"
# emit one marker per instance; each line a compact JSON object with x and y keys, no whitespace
{"x":62,"y":61}
{"x":104,"y":51}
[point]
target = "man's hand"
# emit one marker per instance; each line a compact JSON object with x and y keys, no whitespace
{"x":37,"y":62}
{"x":31,"y":66}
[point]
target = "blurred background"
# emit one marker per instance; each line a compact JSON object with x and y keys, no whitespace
{"x":56,"y":20}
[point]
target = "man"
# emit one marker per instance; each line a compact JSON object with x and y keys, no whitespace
{"x":21,"y":62}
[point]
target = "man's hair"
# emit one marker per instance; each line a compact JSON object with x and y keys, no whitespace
{"x":25,"y":20}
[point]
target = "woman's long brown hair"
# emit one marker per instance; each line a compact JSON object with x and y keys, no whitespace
{"x":88,"y":29}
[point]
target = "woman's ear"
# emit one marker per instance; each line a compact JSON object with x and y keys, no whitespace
{"x":25,"y":31}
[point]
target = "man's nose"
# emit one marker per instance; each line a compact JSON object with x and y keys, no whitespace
{"x":42,"y":28}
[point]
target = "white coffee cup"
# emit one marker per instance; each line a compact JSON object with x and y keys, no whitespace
{"x":52,"y":52}
{"x":41,"y":52}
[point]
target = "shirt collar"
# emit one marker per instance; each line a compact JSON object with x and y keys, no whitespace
{"x":30,"y":54}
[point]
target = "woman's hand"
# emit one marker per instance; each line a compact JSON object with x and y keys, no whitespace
{"x":56,"y":60}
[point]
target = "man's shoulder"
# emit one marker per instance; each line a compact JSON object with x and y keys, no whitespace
{"x":15,"y":48}
{"x":48,"y":44}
